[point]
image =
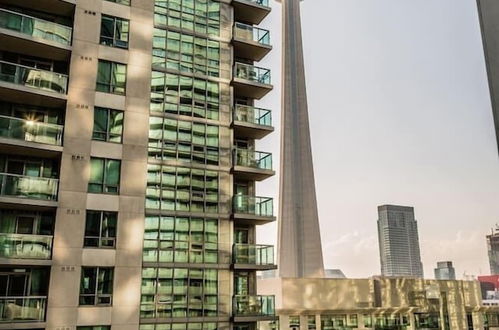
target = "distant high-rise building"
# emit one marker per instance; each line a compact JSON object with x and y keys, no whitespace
{"x":493,"y":249}
{"x":398,"y":241}
{"x":334,"y":273}
{"x":445,"y":271}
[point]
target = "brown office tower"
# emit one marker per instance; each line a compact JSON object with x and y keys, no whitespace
{"x":128,"y":164}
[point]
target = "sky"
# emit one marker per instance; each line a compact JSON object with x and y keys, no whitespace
{"x":400,"y":114}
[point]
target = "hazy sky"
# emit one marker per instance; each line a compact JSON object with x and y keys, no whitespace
{"x":400,"y":114}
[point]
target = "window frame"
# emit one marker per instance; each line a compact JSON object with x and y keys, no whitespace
{"x":112,"y":86}
{"x":104,"y":186}
{"x":114,"y":41}
{"x":100,"y":238}
{"x":96,"y":295}
{"x":107,"y":132}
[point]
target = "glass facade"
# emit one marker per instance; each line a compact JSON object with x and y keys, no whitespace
{"x":179,"y":292}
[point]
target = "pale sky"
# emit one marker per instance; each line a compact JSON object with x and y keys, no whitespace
{"x":400,"y":114}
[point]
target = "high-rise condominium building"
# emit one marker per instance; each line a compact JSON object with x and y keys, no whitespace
{"x":128,"y":164}
{"x":493,"y":251}
{"x":398,"y":241}
{"x":445,"y":271}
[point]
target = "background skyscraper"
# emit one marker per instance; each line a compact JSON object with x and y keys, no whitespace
{"x":398,"y":241}
{"x":445,"y":271}
{"x":493,"y":251}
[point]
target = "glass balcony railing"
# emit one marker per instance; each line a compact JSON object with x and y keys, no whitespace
{"x":22,"y":246}
{"x":35,"y":27}
{"x":31,"y":131}
{"x":254,"y":306}
{"x":252,"y":73}
{"x":250,"y":254}
{"x":28,"y":187}
{"x":31,"y":77}
{"x":251,"y":33}
{"x":254,"y":159}
{"x":259,"y":206}
{"x":22,"y":309}
{"x":252,"y":115}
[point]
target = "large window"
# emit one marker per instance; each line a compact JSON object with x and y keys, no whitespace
{"x":170,"y":239}
{"x":184,"y":95}
{"x":111,"y":77}
{"x":121,"y":2}
{"x":100,"y":229}
{"x":108,"y":125}
{"x":181,"y":52}
{"x":96,"y":286}
{"x":181,"y":189}
{"x":199,"y":16}
{"x":186,"y":326}
{"x":114,"y":31}
{"x":104,"y":176}
{"x":171,"y":139}
{"x":179,"y":292}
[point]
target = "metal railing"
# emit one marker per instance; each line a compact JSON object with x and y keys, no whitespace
{"x":252,"y":33}
{"x":254,"y":305}
{"x":35,"y":27}
{"x":252,"y":73}
{"x":251,"y":254}
{"x":250,"y":158}
{"x":31,"y":131}
{"x":249,"y":114}
{"x":22,"y":309}
{"x":259,"y":206}
{"x":31,"y":77}
{"x":23,"y":246}
{"x":28,"y":186}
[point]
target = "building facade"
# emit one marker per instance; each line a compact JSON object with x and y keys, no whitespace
{"x":399,"y":241}
{"x":445,"y":271}
{"x":127,"y":143}
{"x":493,"y":251}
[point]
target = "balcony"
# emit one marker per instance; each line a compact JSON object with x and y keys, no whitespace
{"x":35,"y":79}
{"x":253,"y":210}
{"x":251,"y":81}
{"x":22,"y":309}
{"x":252,"y":165}
{"x":251,"y":122}
{"x":254,"y":257}
{"x":21,"y":246}
{"x":30,"y":131}
{"x":251,"y":42}
{"x":29,"y":187}
{"x":251,"y":11}
{"x":253,"y":308}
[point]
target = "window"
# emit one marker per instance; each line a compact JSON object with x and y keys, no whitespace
{"x":104,"y":176}
{"x":294,"y":322}
{"x":108,"y":125}
{"x":121,"y":2}
{"x":181,"y":52}
{"x":111,"y":77}
{"x":179,"y":239}
{"x":114,"y":31}
{"x":199,"y":16}
{"x":179,"y":292}
{"x":185,"y":96}
{"x":96,"y":286}
{"x":95,"y":327}
{"x":171,"y":139}
{"x":100,"y":229}
{"x":182,"y":189}
{"x":184,"y":326}
{"x":311,"y":322}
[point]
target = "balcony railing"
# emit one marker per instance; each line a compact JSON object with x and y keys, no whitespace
{"x":22,"y":309}
{"x":21,"y":246}
{"x":251,"y":33}
{"x":252,"y":73}
{"x":35,"y":27}
{"x":252,"y":115}
{"x":250,"y":254}
{"x":259,"y":206}
{"x":31,"y":131}
{"x":31,"y":77}
{"x":28,"y":187}
{"x":254,"y":159}
{"x":254,"y":306}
